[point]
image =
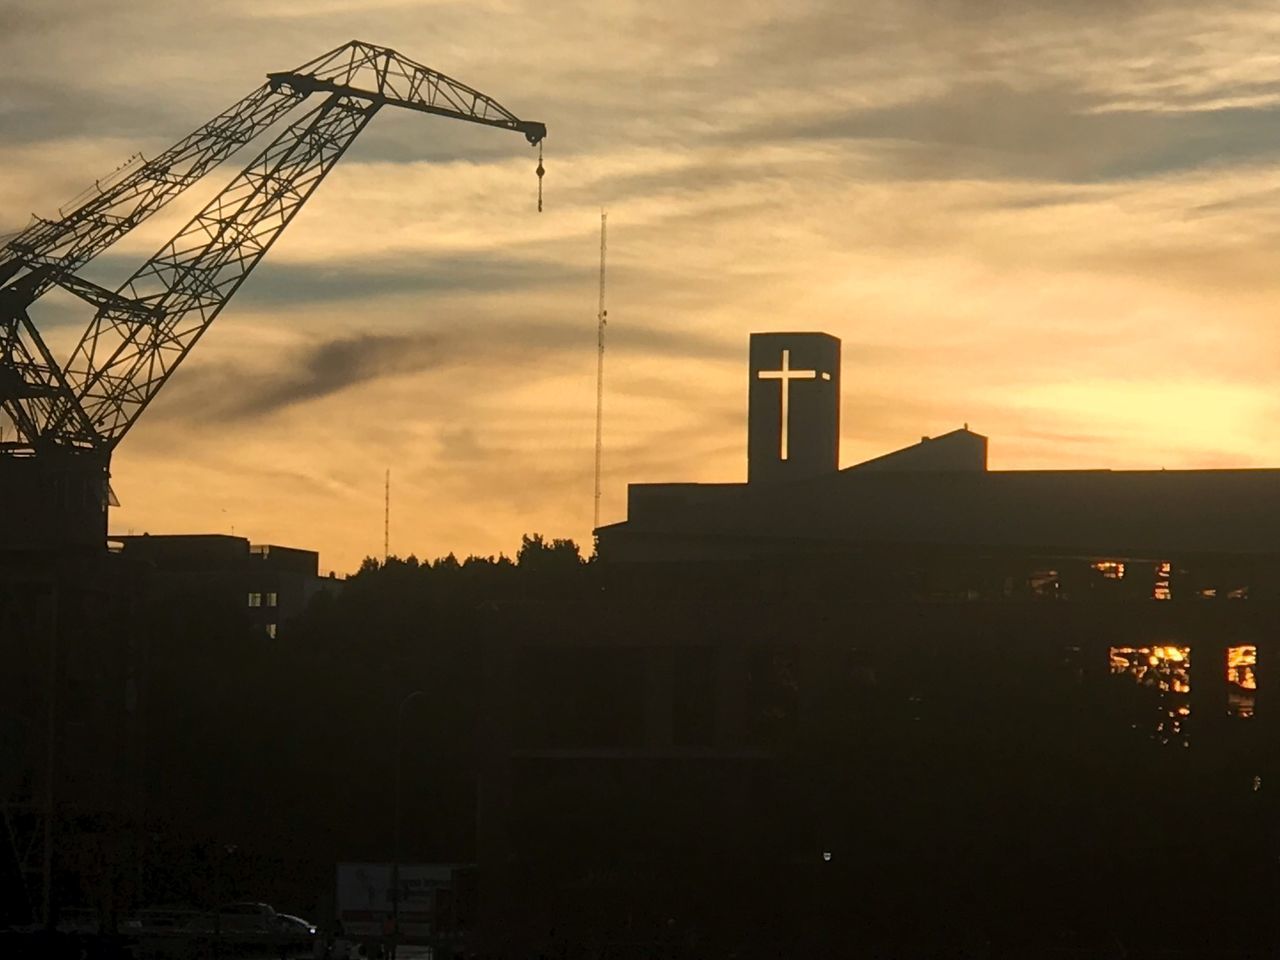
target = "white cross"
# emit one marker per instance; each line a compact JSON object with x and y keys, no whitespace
{"x":786,"y":375}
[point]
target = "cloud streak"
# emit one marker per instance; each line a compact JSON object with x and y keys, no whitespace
{"x":230,"y":392}
{"x":326,"y":369}
{"x":1055,"y":221}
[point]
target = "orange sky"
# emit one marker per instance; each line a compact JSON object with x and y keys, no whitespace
{"x":1056,"y":222}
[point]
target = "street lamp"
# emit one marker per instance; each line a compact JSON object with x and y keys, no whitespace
{"x":395,"y":843}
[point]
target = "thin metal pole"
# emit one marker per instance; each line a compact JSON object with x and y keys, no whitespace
{"x":50,"y":758}
{"x":601,"y":319}
{"x":395,"y":843}
{"x":386,"y":520}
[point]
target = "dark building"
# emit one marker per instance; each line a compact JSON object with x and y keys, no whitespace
{"x":73,"y":646}
{"x":267,"y":583}
{"x":1205,"y":533}
{"x":747,"y":758}
{"x":914,"y":707}
{"x":64,"y":498}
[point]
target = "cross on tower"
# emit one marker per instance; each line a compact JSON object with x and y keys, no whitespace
{"x":784,"y":377}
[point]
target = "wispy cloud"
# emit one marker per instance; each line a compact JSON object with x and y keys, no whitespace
{"x":1056,"y":221}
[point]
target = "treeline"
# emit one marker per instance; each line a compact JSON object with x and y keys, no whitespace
{"x":270,"y":761}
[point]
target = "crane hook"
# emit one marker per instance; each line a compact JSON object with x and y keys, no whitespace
{"x":540,"y":172}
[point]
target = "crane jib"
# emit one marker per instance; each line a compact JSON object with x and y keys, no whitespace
{"x":142,"y":331}
{"x":479,"y":109}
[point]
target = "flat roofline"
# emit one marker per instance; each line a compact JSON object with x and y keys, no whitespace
{"x":826,"y":548}
{"x":175,"y":536}
{"x":1146,"y":472}
{"x":1035,"y":472}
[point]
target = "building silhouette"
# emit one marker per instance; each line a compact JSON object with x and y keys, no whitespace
{"x":266,"y":583}
{"x":1212,"y":534}
{"x":913,"y":706}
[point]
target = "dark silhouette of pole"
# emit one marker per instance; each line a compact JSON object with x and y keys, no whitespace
{"x":395,"y":843}
{"x":51,"y":735}
{"x":601,"y":321}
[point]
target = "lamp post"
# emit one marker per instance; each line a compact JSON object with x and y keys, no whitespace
{"x":395,"y":843}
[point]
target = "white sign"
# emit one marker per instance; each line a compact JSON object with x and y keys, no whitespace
{"x":365,"y":905}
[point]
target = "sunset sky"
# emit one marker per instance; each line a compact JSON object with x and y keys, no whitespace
{"x":1058,"y":222}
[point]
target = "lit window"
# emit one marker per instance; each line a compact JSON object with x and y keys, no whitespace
{"x":1166,"y":671}
{"x":255,"y":599}
{"x":271,"y":630}
{"x":1110,"y":569}
{"x":1162,"y":590}
{"x":1241,"y":662}
{"x":271,"y":599}
{"x":1242,"y":681}
{"x":1168,"y":668}
{"x":1043,"y":583}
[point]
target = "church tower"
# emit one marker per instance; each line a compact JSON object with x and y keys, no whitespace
{"x":793,"y":406}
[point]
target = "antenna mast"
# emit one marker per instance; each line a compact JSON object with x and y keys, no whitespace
{"x":386,"y":520}
{"x":601,"y":318}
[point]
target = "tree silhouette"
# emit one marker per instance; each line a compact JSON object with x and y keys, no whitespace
{"x":538,"y":554}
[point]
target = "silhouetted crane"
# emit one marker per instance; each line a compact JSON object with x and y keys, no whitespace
{"x":141,"y":331}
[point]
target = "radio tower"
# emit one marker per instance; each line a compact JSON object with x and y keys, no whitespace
{"x":601,"y":319}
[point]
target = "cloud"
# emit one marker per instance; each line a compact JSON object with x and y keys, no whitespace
{"x":1033,"y":215}
{"x":43,"y":110}
{"x":318,"y":370}
{"x":302,"y":284}
{"x":228,"y":391}
{"x":1060,"y":134}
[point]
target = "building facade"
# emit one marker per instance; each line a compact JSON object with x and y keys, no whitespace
{"x":266,"y":583}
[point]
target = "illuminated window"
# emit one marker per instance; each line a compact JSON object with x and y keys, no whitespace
{"x":1162,"y":590}
{"x":1110,"y":569}
{"x":1165,"y":669}
{"x":1242,"y":680}
{"x":1240,"y":665}
{"x":271,"y":599}
{"x":1043,"y":583}
{"x":271,"y":630}
{"x":255,"y":599}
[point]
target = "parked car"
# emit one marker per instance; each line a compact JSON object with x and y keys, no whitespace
{"x":248,"y":918}
{"x":239,"y":919}
{"x":299,"y":937}
{"x":296,"y":925}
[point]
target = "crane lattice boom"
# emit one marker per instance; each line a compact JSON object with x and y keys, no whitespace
{"x":142,"y":331}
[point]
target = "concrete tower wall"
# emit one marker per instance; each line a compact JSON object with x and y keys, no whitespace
{"x":793,"y":420}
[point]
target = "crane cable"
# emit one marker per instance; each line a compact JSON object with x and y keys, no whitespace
{"x":540,"y":172}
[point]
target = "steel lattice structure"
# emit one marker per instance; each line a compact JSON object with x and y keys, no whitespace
{"x":141,"y":332}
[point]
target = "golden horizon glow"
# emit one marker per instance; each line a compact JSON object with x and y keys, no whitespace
{"x":1032,"y":219}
